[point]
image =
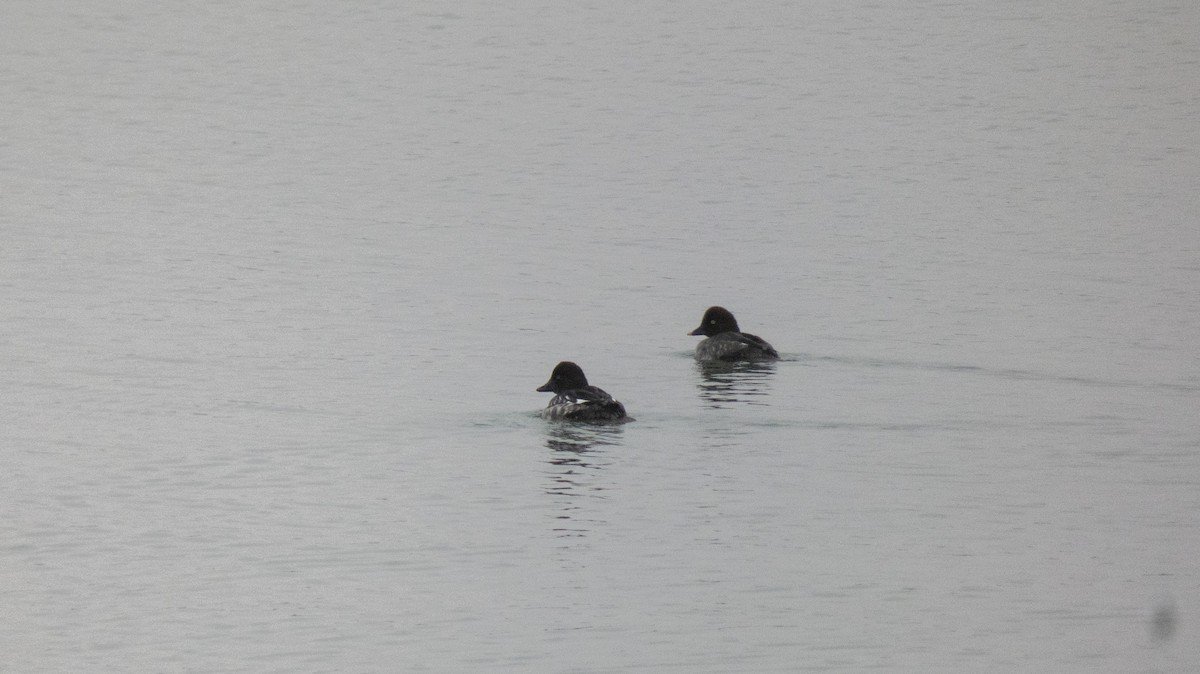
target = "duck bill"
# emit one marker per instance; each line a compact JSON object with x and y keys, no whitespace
{"x":697,"y":332}
{"x":545,"y":388}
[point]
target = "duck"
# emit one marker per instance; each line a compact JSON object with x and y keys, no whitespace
{"x":576,"y":400}
{"x":725,"y":342}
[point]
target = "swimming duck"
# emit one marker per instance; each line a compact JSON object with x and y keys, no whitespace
{"x":575,"y":400}
{"x":725,"y":342}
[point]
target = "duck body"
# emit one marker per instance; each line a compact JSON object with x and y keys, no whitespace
{"x":576,"y":400}
{"x":725,"y":342}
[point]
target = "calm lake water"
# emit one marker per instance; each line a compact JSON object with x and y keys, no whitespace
{"x":278,"y":281}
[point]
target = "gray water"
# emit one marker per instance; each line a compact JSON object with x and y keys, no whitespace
{"x":277,"y":281}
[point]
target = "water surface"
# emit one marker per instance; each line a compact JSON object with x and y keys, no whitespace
{"x":278,"y":283}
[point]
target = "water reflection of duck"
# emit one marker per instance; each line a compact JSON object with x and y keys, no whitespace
{"x":735,"y":382}
{"x":725,"y":342}
{"x":576,"y":462}
{"x":576,"y":400}
{"x":573,"y":443}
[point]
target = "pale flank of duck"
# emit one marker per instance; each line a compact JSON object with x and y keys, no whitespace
{"x":731,"y":346}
